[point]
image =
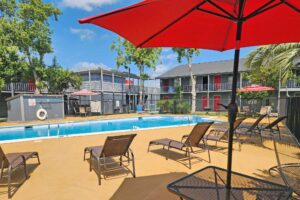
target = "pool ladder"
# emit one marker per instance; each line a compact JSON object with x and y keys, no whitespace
{"x":58,"y":130}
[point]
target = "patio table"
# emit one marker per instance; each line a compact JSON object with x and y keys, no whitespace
{"x":209,"y":184}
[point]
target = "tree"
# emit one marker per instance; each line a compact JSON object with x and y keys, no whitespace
{"x":265,"y":63}
{"x":33,"y":35}
{"x":188,"y":54}
{"x":59,"y":79}
{"x":128,"y":54}
{"x":12,"y":62}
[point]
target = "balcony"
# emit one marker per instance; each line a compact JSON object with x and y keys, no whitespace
{"x":291,"y":85}
{"x":93,"y":85}
{"x":167,"y":89}
{"x":117,"y":87}
{"x":204,"y":87}
{"x":19,"y":87}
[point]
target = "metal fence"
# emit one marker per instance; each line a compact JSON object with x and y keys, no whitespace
{"x":293,"y":113}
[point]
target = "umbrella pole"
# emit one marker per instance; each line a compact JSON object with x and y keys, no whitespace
{"x":232,"y":107}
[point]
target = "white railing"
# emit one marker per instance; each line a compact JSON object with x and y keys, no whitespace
{"x":292,"y":84}
{"x":213,"y":87}
{"x":93,"y":85}
{"x":167,"y":89}
{"x":19,"y":87}
{"x":118,"y":87}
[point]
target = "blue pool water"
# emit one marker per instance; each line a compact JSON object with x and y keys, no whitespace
{"x":97,"y":126}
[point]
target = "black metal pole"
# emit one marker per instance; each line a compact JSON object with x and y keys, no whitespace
{"x":232,"y":107}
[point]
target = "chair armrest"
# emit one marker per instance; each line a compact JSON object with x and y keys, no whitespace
{"x":184,"y":137}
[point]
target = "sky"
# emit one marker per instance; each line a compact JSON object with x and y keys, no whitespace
{"x":84,"y":45}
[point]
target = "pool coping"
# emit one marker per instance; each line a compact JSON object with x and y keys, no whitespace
{"x":96,"y":133}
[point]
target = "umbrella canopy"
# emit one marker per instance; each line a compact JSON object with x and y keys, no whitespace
{"x":207,"y":24}
{"x":255,"y":88}
{"x":84,"y":92}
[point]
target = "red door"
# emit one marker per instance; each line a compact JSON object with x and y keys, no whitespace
{"x":204,"y":102}
{"x":217,"y":82}
{"x":217,"y":101}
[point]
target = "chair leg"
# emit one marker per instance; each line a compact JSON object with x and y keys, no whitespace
{"x":84,"y":152}
{"x":189,"y":156}
{"x":133,"y":166}
{"x":91,"y":162}
{"x":149,"y":147}
{"x":98,"y":171}
{"x":25,"y":171}
{"x":9,"y":182}
{"x":38,"y":158}
{"x":167,"y":154}
{"x":120,"y":160}
{"x":208,"y":151}
{"x":2,"y":169}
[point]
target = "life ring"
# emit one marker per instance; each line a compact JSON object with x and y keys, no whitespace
{"x":41,"y":114}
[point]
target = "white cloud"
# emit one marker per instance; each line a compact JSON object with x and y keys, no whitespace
{"x":160,"y":69}
{"x":84,"y":34}
{"x":87,"y":5}
{"x":171,"y":56}
{"x":81,"y":66}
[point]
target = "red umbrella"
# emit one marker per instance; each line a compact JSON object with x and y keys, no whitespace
{"x":207,"y":24}
{"x":84,"y":92}
{"x":255,"y":88}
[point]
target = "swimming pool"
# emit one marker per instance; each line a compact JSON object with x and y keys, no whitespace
{"x":95,"y":126}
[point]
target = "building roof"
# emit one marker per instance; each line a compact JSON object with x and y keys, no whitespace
{"x":218,"y":67}
{"x":107,"y":71}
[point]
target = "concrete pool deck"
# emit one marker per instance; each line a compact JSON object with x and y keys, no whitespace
{"x":63,"y":175}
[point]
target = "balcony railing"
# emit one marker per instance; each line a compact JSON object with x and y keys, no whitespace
{"x":19,"y":87}
{"x":117,"y":87}
{"x":93,"y":86}
{"x":292,"y":84}
{"x":167,"y":89}
{"x":204,"y":87}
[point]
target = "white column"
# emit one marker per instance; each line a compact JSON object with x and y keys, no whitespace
{"x":90,"y":80}
{"x":12,"y":89}
{"x":208,"y":88}
{"x":113,"y":81}
{"x":101,"y":74}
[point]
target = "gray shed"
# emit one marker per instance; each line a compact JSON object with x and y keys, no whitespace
{"x":24,"y":107}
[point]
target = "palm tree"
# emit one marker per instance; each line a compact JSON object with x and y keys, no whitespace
{"x":275,"y":58}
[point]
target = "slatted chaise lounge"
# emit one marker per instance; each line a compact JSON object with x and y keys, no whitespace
{"x":11,"y":161}
{"x":193,"y":140}
{"x":114,"y":146}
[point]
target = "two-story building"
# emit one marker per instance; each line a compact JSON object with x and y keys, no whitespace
{"x":213,"y":84}
{"x":117,"y":91}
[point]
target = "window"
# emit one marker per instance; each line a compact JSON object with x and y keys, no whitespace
{"x":95,"y":77}
{"x":85,"y":77}
{"x":107,"y":78}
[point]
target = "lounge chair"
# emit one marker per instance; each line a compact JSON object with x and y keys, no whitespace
{"x":114,"y":146}
{"x":192,"y":140}
{"x":218,"y":134}
{"x":11,"y":161}
{"x":273,"y":127}
{"x":253,"y":129}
